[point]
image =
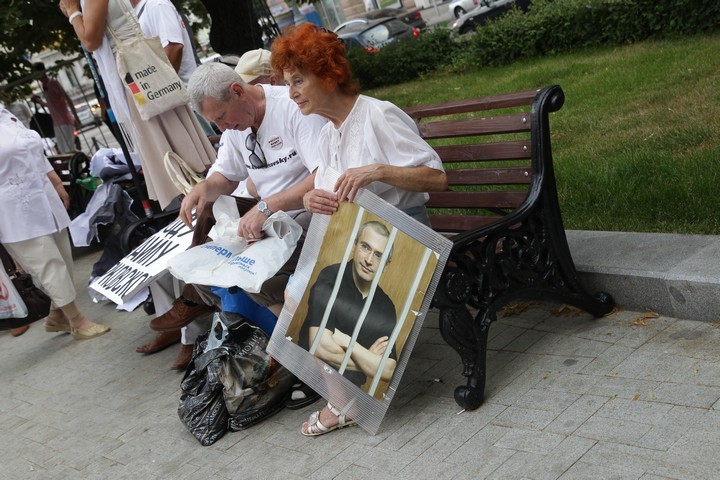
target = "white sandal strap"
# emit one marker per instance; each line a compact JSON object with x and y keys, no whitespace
{"x":315,"y":426}
{"x":339,"y":413}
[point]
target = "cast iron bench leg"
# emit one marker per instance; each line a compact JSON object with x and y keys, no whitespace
{"x":459,"y":329}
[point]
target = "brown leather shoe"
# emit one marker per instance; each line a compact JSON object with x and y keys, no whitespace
{"x":16,"y":332}
{"x":179,"y":315}
{"x":161,"y":341}
{"x":184,"y":357}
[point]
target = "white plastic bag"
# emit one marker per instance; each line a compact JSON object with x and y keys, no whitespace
{"x":198,"y":264}
{"x":263,"y":258}
{"x":228,"y":260}
{"x":11,"y":304}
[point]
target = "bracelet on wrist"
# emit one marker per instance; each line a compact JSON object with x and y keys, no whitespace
{"x":74,"y":15}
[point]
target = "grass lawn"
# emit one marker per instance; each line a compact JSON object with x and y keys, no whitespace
{"x":637,"y":143}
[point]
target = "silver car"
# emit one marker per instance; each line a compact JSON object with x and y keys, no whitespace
{"x":486,"y":11}
{"x":87,"y":114}
{"x":461,"y":7}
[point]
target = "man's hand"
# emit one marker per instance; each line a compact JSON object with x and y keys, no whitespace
{"x":320,"y":201}
{"x":251,"y":223}
{"x":380,"y":345}
{"x":342,"y":339}
{"x":194,"y":200}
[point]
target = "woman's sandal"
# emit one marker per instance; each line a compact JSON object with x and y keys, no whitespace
{"x":57,"y":327}
{"x":56,"y":322}
{"x":316,"y":428}
{"x":90,"y":332}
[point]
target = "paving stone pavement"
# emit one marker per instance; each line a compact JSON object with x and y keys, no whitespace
{"x":568,"y":397}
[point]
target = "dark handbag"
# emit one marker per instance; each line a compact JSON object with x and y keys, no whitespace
{"x":42,"y":123}
{"x":36,"y":301}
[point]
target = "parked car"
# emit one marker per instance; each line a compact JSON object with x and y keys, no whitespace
{"x":88,"y":115}
{"x":375,"y":34}
{"x":488,"y":10}
{"x":461,"y":7}
{"x":412,"y":17}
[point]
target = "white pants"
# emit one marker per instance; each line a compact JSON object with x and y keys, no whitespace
{"x":48,"y":259}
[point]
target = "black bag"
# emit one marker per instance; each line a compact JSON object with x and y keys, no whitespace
{"x":202,"y":407}
{"x":255,"y":384}
{"x":42,"y":123}
{"x":234,"y":384}
{"x":36,"y":301}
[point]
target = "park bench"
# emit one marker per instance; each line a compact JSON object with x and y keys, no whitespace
{"x":502,"y":213}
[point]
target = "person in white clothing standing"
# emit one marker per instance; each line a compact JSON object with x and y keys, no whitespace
{"x":33,"y":225}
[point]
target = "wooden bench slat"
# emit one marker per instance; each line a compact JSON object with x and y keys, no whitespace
{"x":513,"y":150}
{"x":489,"y":176}
{"x":485,"y":199}
{"x":459,"y":223}
{"x":473,"y":105}
{"x":519,"y":122}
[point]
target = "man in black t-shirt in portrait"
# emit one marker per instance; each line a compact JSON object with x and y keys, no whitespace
{"x":372,"y":340}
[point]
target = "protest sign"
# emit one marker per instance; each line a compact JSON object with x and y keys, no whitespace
{"x":356,"y":303}
{"x":144,"y":264}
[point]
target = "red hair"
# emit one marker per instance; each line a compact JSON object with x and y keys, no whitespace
{"x":307,"y":48}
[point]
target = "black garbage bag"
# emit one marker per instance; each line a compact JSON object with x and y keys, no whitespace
{"x":202,"y":406}
{"x":232,"y":382}
{"x":255,"y":384}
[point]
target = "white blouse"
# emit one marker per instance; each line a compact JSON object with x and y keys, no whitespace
{"x":31,"y":207}
{"x":376,"y":131}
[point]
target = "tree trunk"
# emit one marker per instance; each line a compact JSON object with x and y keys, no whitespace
{"x":234,"y":27}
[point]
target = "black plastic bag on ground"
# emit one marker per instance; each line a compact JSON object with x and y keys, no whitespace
{"x":232,"y":382}
{"x":202,"y":406}
{"x":255,"y":384}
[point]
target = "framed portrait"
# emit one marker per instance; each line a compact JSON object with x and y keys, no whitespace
{"x":356,"y":303}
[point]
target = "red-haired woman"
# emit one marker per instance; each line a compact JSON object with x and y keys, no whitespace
{"x":370,"y":143}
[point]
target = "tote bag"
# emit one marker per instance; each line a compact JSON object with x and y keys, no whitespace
{"x":21,"y":302}
{"x":146,"y":72}
{"x":11,"y":304}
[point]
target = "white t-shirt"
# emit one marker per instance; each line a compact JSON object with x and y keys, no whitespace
{"x":160,"y":18}
{"x":286,"y":139}
{"x":31,"y":205}
{"x":376,"y":131}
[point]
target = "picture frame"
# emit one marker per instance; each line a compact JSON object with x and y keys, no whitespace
{"x":356,"y":302}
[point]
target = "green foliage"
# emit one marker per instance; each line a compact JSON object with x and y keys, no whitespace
{"x":403,"y":60}
{"x":30,"y":27}
{"x":553,"y":26}
{"x":548,"y":28}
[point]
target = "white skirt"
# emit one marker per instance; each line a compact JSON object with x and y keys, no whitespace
{"x":177,"y":130}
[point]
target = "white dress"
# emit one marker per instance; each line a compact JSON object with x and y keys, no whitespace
{"x":176,"y":130}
